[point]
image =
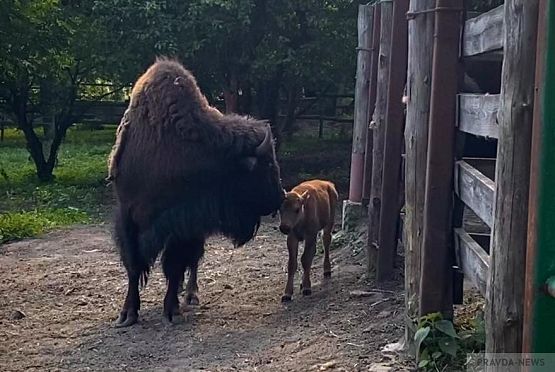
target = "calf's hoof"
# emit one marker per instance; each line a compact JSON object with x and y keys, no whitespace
{"x":327,"y":274}
{"x":127,"y":317}
{"x":192,"y":299}
{"x":307,"y":291}
{"x":286,"y":298}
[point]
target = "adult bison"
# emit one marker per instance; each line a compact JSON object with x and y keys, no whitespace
{"x":182,"y":172}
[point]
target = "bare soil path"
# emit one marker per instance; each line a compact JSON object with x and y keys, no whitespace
{"x":60,"y":294}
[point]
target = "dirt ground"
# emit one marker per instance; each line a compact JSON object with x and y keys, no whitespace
{"x":60,"y":294}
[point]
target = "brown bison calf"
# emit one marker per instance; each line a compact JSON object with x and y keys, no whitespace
{"x":307,"y":209}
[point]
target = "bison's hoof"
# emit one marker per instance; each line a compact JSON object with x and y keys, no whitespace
{"x":127,"y":318}
{"x":171,"y":313}
{"x":307,"y":291}
{"x":286,"y":298}
{"x":327,"y":274}
{"x":192,"y":299}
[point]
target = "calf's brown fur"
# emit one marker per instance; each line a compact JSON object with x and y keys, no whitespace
{"x":307,"y":209}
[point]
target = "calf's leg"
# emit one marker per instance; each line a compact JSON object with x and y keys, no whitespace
{"x":293,"y":248}
{"x":306,"y":260}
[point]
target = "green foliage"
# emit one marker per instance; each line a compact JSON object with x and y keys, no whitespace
{"x":78,"y":194}
{"x":311,"y":41}
{"x":20,"y":225}
{"x":439,"y":346}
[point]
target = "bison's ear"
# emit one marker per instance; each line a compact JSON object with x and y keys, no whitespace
{"x":248,"y":163}
{"x":305,"y":196}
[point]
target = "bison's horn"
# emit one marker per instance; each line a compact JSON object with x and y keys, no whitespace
{"x":265,"y":146}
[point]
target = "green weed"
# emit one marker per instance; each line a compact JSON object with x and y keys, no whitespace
{"x":77,"y":195}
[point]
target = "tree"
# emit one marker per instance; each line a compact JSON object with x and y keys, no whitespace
{"x":241,"y":48}
{"x":49,"y":52}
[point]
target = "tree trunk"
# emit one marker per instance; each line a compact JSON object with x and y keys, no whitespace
{"x":292,"y":104}
{"x":268,"y":104}
{"x":245,"y":98}
{"x":231,"y":95}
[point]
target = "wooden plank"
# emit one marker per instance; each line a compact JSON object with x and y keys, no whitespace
{"x":360,"y":128}
{"x":378,"y":122}
{"x":478,"y":114}
{"x":475,"y":190}
{"x":393,"y":143}
{"x":367,"y":180}
{"x":474,"y":261}
{"x":436,"y":281}
{"x":484,"y":33}
{"x":472,"y":223}
{"x":486,"y":166}
{"x":419,"y":75}
{"x":504,"y":310}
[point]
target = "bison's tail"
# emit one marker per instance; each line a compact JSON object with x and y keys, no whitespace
{"x":127,"y":240}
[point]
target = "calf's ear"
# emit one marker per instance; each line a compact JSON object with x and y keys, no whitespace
{"x":248,"y":163}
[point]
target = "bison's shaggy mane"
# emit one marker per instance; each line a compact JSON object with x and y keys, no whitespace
{"x":167,"y":103}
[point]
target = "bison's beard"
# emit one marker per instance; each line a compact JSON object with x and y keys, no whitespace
{"x":206,"y":214}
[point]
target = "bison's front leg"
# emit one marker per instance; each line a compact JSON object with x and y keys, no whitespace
{"x":293,"y":248}
{"x":130,"y":311}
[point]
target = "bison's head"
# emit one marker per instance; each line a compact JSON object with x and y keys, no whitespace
{"x":260,"y":183}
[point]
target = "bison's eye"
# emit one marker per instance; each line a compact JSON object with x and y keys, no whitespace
{"x":297,"y":210}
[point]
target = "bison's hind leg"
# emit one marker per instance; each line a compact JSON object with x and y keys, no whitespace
{"x":125,"y":236}
{"x":195,"y":251}
{"x":173,"y":270}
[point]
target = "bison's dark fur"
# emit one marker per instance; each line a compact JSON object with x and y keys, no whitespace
{"x":182,"y":171}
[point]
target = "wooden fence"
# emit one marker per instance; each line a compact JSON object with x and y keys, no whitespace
{"x":442,"y":184}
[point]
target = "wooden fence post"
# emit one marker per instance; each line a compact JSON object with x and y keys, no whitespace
{"x":395,"y":118}
{"x":371,"y":106}
{"x":365,"y":18}
{"x":540,"y":256}
{"x":505,"y":290}
{"x":436,"y":279}
{"x":419,"y":75}
{"x":378,"y":123}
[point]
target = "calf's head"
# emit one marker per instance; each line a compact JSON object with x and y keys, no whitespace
{"x":292,"y":211}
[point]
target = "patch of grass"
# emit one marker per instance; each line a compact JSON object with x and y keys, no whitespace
{"x":77,"y":195}
{"x":19,"y":225}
